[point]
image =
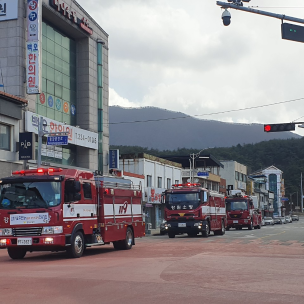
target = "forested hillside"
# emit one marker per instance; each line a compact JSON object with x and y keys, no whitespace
{"x":287,"y":155}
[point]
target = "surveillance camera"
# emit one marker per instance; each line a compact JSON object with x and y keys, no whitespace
{"x":226,"y":16}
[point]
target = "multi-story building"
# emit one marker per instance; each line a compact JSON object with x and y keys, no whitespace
{"x":11,"y":109}
{"x":235,"y":175}
{"x":256,"y":186}
{"x":55,"y":56}
{"x":274,"y":182}
{"x":157,"y":175}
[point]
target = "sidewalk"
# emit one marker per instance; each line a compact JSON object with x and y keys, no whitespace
{"x":152,"y":232}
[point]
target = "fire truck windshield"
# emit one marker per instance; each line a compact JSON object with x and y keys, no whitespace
{"x":236,"y":205}
{"x":30,"y":195}
{"x":185,"y":200}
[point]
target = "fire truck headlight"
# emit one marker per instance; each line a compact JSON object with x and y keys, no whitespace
{"x":3,"y":242}
{"x":248,"y":217}
{"x":6,"y":231}
{"x":52,"y":230}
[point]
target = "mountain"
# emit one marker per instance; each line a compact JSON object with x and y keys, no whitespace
{"x":173,"y":130}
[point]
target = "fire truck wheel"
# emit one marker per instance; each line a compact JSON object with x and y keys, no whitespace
{"x":128,"y":241}
{"x":171,"y":235}
{"x":250,"y":227}
{"x":223,"y":230}
{"x":16,"y":253}
{"x":77,"y":245}
{"x":206,"y":232}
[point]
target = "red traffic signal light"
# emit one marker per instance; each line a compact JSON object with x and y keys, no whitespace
{"x":279,"y":127}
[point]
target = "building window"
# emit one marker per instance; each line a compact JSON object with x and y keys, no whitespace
{"x":58,"y":77}
{"x":159,"y":182}
{"x":169,"y":183}
{"x":236,"y":175}
{"x":5,"y":137}
{"x":176,"y":181}
{"x":149,"y":180}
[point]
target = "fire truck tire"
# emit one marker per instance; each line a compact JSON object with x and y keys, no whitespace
{"x":223,"y":230}
{"x":250,"y":227}
{"x":206,"y":232}
{"x":128,"y":241}
{"x":16,"y":253}
{"x":77,"y":245}
{"x":171,"y":235}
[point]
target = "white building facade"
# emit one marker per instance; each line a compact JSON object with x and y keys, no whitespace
{"x":159,"y":174}
{"x":235,"y":175}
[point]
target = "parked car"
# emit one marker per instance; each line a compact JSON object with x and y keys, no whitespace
{"x":163,"y":227}
{"x":288,"y":219}
{"x":268,"y":221}
{"x":277,"y":220}
{"x":295,"y":217}
{"x":283,"y":219}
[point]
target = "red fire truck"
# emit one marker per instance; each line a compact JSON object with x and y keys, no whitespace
{"x":191,"y":209}
{"x":242,"y":211}
{"x":51,"y":209}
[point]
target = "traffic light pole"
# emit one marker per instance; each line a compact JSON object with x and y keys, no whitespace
{"x":259,"y":12}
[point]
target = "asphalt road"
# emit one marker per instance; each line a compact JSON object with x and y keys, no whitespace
{"x":258,"y":266}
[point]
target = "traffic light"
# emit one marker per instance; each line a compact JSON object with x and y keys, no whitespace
{"x":292,"y":32}
{"x":279,"y":127}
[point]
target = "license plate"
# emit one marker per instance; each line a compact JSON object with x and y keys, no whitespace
{"x":235,"y":222}
{"x":181,"y":224}
{"x":24,"y":241}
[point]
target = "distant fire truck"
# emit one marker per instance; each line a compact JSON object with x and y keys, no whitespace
{"x":192,"y":209}
{"x":242,"y":211}
{"x":51,"y":209}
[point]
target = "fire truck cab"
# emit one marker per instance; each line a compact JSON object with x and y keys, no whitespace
{"x":242,"y":211}
{"x":192,"y":209}
{"x":50,"y":209}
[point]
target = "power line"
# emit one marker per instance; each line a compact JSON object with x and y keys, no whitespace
{"x":214,"y":113}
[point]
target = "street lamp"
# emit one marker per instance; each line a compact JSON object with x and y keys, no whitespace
{"x":193,"y":156}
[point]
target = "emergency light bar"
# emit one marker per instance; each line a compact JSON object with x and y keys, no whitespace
{"x":39,"y":170}
{"x":186,"y":185}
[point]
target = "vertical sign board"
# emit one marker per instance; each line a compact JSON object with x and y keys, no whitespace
{"x":113,"y":159}
{"x":8,"y":10}
{"x":26,"y":146}
{"x":33,"y":41}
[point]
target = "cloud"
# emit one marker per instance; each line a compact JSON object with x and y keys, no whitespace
{"x":180,"y":57}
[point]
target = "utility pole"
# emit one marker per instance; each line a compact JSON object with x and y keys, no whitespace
{"x":301,"y":194}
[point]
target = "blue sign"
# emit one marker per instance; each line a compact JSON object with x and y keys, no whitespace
{"x":57,"y":140}
{"x":32,"y":16}
{"x":114,"y":159}
{"x":50,"y":101}
{"x":203,"y":174}
{"x":73,"y":109}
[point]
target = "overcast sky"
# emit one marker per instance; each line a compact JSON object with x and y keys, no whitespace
{"x":177,"y":55}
